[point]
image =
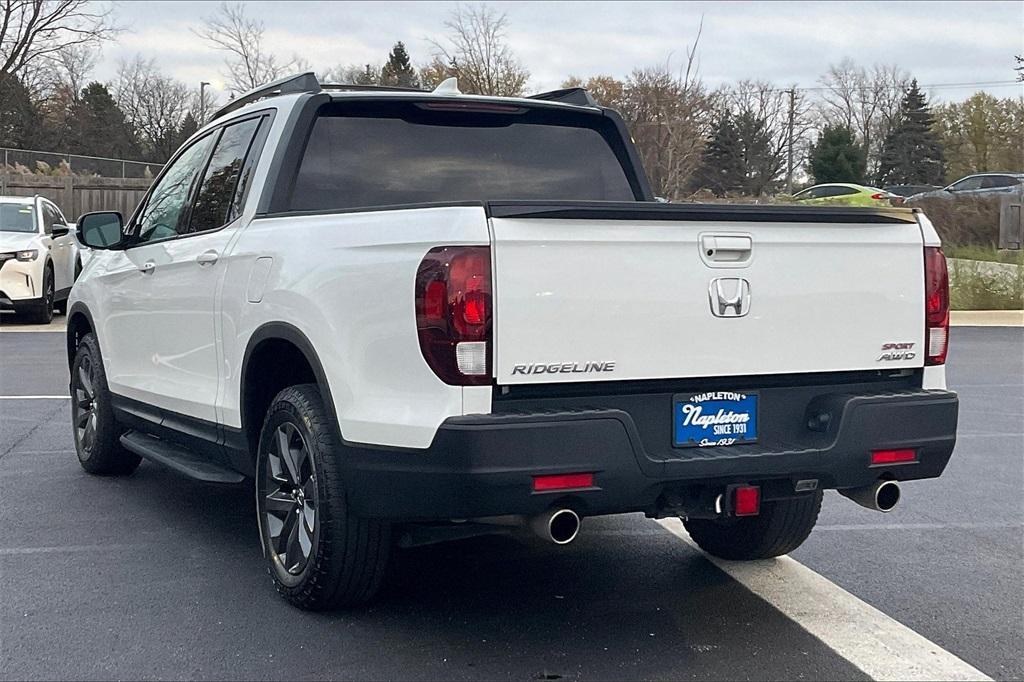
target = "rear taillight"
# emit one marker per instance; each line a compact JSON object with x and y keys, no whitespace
{"x":453,"y":313}
{"x":879,"y":196}
{"x":936,"y":306}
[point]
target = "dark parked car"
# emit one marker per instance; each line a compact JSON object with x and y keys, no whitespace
{"x":979,"y":184}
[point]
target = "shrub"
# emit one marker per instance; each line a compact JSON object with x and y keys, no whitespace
{"x":984,"y":286}
{"x":963,"y":220}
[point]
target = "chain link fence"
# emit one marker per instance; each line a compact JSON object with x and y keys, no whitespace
{"x":33,"y":162}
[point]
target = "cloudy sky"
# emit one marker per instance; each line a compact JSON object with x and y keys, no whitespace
{"x":783,"y":42}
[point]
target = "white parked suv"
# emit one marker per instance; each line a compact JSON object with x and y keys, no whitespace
{"x":416,"y":316}
{"x":39,"y":257}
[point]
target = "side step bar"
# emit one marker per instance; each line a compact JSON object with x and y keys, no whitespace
{"x":178,"y":459}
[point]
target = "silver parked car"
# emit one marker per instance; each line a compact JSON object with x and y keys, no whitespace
{"x":979,"y":184}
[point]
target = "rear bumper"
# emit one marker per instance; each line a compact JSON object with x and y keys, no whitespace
{"x":480,"y":466}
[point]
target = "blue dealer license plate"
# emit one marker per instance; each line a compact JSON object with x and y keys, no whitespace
{"x":714,"y":418}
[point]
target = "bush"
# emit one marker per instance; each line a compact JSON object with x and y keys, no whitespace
{"x":976,"y":285}
{"x":963,"y":220}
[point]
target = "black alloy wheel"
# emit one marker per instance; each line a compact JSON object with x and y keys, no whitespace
{"x":289,"y":501}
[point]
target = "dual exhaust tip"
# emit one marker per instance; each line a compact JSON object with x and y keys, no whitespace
{"x":561,"y":525}
{"x":881,"y":496}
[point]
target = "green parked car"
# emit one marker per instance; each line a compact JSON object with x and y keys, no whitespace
{"x":846,"y":194}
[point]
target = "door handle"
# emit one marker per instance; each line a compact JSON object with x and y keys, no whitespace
{"x":207,"y":258}
{"x":147,"y":268}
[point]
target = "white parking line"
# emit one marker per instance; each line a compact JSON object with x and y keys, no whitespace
{"x":879,"y":646}
{"x":35,"y":397}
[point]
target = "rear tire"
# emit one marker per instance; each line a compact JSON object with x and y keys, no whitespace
{"x":781,"y":527}
{"x":319,"y":555}
{"x":97,"y":434}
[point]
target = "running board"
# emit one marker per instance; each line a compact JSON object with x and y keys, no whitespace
{"x":178,"y":459}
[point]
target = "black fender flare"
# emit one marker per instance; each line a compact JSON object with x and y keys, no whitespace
{"x":79,"y":308}
{"x":287,"y":332}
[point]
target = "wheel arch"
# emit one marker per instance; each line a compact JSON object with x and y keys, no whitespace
{"x":287,"y":355}
{"x":79,"y":323}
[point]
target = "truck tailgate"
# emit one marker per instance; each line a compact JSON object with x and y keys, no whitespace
{"x":593,"y":292}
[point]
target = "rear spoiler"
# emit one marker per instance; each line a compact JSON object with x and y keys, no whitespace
{"x":643,"y":210}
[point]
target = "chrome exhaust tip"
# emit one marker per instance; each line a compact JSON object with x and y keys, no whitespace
{"x":881,"y":496}
{"x":560,"y":526}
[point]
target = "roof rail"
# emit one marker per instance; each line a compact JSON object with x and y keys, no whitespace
{"x":578,"y":96}
{"x":303,"y":82}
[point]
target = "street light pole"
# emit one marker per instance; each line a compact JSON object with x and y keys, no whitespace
{"x":202,"y":102}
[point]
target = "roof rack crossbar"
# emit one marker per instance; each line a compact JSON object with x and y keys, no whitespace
{"x":303,"y":82}
{"x":578,"y":96}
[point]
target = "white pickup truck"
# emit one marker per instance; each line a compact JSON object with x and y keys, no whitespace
{"x":415,"y":316}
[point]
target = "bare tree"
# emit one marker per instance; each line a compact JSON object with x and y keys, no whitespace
{"x":154,"y":104}
{"x":249,"y":63}
{"x":36,"y":31}
{"x":73,"y":65}
{"x":668,"y":113}
{"x":866,"y":101}
{"x":477,"y":52}
{"x":353,"y":74}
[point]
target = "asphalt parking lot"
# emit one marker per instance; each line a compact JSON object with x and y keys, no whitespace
{"x":154,"y":576}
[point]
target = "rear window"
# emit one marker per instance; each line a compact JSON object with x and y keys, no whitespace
{"x":360,"y":157}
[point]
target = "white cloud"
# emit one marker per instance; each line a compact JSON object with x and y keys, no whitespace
{"x":784,"y":42}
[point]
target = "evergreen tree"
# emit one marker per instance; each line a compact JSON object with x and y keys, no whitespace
{"x":761,"y":161}
{"x":97,"y":126}
{"x":19,"y":118}
{"x":912,"y":153}
{"x":398,"y":71}
{"x":836,"y":157}
{"x":721,"y":168}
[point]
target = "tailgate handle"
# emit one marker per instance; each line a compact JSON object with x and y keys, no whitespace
{"x":732,"y":249}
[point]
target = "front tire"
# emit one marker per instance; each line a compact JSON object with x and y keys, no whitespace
{"x":42,"y":312}
{"x":97,"y":434}
{"x":781,"y":527}
{"x":320,"y":556}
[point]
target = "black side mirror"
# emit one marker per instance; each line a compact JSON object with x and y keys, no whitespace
{"x":101,"y":230}
{"x":59,"y":231}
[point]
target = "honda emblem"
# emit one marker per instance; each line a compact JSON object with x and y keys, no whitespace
{"x":729,"y":297}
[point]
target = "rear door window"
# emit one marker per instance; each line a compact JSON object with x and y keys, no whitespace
{"x":405,"y":154}
{"x":967,"y":184}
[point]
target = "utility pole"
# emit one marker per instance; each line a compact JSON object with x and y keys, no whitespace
{"x":789,"y":140}
{"x":202,"y":102}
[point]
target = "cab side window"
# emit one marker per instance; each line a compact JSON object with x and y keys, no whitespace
{"x":166,"y":212}
{"x":214,"y":203}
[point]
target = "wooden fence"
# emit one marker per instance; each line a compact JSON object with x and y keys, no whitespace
{"x":76,"y":195}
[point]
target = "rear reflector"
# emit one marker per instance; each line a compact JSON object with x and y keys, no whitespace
{"x":563,"y":482}
{"x":893,"y":456}
{"x":747,"y":501}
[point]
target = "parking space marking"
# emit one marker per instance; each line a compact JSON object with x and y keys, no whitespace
{"x":878,"y":645}
{"x":35,"y":397}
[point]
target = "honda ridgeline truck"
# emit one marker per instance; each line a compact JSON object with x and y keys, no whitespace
{"x":412,"y":316}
